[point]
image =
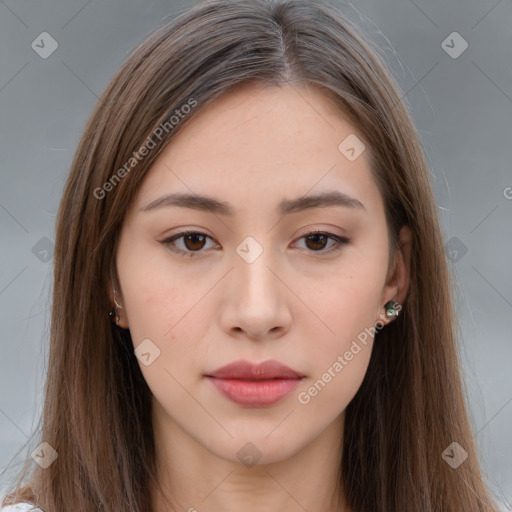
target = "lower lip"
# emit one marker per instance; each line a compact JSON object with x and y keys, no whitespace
{"x":255,"y":393}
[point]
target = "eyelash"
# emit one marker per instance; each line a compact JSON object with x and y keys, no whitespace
{"x":340,"y":241}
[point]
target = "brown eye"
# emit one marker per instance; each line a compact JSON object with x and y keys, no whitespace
{"x":317,"y":241}
{"x":193,"y":243}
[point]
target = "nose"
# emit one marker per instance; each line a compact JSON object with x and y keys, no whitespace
{"x":257,"y":299}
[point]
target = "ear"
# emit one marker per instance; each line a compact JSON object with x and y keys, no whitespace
{"x":398,"y":278}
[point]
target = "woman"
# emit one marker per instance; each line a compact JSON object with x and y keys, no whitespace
{"x":252,"y":307}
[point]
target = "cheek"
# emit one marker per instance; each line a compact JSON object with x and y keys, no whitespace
{"x":340,"y":344}
{"x":155,"y":293}
{"x":347,"y":303}
{"x":166,"y":312}
{"x":170,"y":310}
{"x":173,"y":320}
{"x":339,"y":361}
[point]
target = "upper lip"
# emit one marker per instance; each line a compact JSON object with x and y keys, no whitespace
{"x":270,"y":369}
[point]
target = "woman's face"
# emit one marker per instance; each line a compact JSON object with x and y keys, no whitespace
{"x":249,"y":283}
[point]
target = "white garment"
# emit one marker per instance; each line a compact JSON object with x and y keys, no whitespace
{"x":18,"y":507}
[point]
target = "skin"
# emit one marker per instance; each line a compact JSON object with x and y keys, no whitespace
{"x":297,"y":302}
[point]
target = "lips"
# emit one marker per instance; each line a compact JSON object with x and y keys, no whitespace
{"x":255,"y":385}
{"x":245,"y":370}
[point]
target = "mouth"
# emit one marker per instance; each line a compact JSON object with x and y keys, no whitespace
{"x":254,"y":379}
{"x":255,"y":384}
{"x":247,"y":370}
{"x":255,"y":392}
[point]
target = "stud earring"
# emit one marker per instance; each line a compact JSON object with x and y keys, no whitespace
{"x":392,"y":308}
{"x":113,"y":314}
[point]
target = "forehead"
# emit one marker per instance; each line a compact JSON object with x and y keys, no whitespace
{"x":258,"y":143}
{"x":267,"y":121}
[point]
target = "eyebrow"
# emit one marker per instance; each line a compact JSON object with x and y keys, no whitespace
{"x":287,"y":206}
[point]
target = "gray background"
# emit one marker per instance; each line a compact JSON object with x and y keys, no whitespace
{"x":462,"y":107}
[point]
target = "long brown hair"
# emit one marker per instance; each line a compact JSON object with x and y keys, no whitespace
{"x":411,"y":405}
